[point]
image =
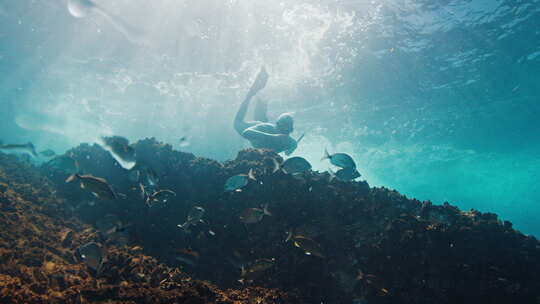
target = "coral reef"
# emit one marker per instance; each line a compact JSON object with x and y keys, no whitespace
{"x":367,"y":245}
{"x":39,"y":263}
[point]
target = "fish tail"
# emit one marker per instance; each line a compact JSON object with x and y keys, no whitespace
{"x":332,"y":174}
{"x":78,"y":167}
{"x":265,"y":210}
{"x":251,"y":174}
{"x":326,"y":154}
{"x":72,"y":177}
{"x":276,"y":165}
{"x":289,"y":235}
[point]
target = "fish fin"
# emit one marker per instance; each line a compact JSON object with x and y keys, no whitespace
{"x":332,"y":174}
{"x":276,"y":165}
{"x":326,"y":155}
{"x":143,"y":191}
{"x":265,"y":210}
{"x":289,"y":235}
{"x":78,"y":167}
{"x":72,"y":178}
{"x":251,"y":174}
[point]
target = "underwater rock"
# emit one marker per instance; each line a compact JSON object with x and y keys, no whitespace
{"x":379,"y":246}
{"x":39,"y":261}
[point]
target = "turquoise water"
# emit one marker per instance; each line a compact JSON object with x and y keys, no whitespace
{"x":437,"y":99}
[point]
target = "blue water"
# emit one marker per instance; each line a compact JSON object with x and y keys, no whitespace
{"x":437,"y":99}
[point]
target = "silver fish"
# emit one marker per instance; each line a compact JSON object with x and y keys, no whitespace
{"x":159,"y":196}
{"x":340,"y":159}
{"x":254,"y":215}
{"x":194,"y":217}
{"x":28,"y":148}
{"x":345,"y":174}
{"x":47,"y":153}
{"x":97,"y":185}
{"x":308,"y":245}
{"x":92,"y":254}
{"x":255,"y":270}
{"x":120,"y":150}
{"x":293,"y":165}
{"x":237,"y":182}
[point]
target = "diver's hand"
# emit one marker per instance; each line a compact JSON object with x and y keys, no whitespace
{"x":259,"y":83}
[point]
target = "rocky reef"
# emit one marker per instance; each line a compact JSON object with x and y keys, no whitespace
{"x":366,"y":245}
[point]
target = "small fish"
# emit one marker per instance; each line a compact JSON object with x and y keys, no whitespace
{"x":118,"y":228}
{"x":159,"y":196}
{"x":187,"y":256}
{"x":293,"y":165}
{"x":150,"y":177}
{"x":345,"y":174}
{"x":255,"y":270}
{"x":47,"y":153}
{"x":184,"y":141}
{"x":254,"y":215}
{"x":97,"y":185}
{"x":309,"y":246}
{"x":28,"y":148}
{"x":65,"y":163}
{"x":92,"y":254}
{"x":340,"y":159}
{"x":195,"y":216}
{"x":237,"y":182}
{"x":143,"y":191}
{"x":120,"y":150}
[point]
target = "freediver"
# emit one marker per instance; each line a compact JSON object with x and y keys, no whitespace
{"x":261,"y":133}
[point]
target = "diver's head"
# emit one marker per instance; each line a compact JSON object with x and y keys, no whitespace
{"x":285,"y":123}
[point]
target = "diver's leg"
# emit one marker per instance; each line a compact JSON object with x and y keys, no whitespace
{"x":240,"y":125}
{"x":261,"y":110}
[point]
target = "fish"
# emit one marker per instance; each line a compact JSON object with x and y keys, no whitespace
{"x":120,"y":150}
{"x":97,"y":185}
{"x":159,"y":196}
{"x":254,"y":215}
{"x":339,"y":159}
{"x":293,"y":165}
{"x":184,"y":141}
{"x":47,"y":153}
{"x":143,"y":191}
{"x":28,"y":148}
{"x":92,"y":254}
{"x":255,"y":270}
{"x":187,"y":256}
{"x":150,"y":177}
{"x":65,"y":163}
{"x":237,"y":182}
{"x":118,"y":228}
{"x":194,"y":217}
{"x":345,"y":174}
{"x":308,"y":245}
